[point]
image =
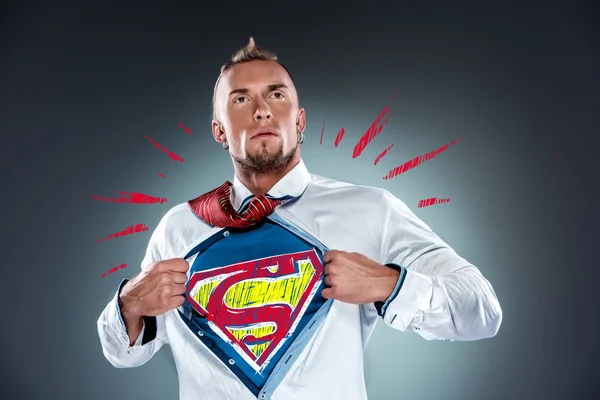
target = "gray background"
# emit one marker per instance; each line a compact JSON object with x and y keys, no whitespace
{"x":81,"y":85}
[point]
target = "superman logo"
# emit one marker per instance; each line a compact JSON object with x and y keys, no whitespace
{"x":256,"y":305}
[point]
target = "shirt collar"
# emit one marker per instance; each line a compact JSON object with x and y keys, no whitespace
{"x":292,"y":184}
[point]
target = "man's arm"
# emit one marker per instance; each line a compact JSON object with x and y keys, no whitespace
{"x":439,"y":294}
{"x":128,"y":341}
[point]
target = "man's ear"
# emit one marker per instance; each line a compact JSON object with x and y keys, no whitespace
{"x":301,"y":120}
{"x":218,"y":132}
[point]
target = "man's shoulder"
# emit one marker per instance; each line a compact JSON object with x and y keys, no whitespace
{"x":180,"y":217}
{"x":336,"y":187}
{"x":178,"y":229}
{"x":181,"y":210}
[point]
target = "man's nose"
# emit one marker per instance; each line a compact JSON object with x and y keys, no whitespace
{"x":262,"y":112}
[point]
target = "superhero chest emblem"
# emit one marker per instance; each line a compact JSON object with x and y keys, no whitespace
{"x":255,"y":306}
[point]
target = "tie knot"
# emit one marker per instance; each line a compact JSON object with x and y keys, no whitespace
{"x":216,"y":209}
{"x":261,"y":206}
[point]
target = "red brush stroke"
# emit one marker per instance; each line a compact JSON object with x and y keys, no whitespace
{"x":127,"y":231}
{"x":407,"y":166}
{"x":382,"y":154}
{"x":456,"y":141}
{"x":187,"y":130}
{"x":322,"y":130}
{"x":114,"y":269}
{"x":161,"y":175}
{"x":432,"y":201}
{"x":132,"y":197}
{"x":339,"y":137}
{"x":172,"y":155}
{"x":372,"y":132}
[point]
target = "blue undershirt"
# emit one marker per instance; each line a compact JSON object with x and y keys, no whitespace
{"x":269,"y":289}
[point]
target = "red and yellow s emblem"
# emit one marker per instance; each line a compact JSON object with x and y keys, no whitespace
{"x":255,"y":305}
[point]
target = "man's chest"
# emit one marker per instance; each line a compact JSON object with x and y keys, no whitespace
{"x":250,"y":295}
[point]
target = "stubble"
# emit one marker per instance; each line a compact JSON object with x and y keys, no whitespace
{"x":265,"y":162}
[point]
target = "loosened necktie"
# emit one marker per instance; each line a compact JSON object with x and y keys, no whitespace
{"x":215,"y":208}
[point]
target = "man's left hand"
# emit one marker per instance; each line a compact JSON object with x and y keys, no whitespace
{"x":354,"y":278}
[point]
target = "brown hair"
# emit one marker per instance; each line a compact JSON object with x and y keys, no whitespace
{"x":250,"y":52}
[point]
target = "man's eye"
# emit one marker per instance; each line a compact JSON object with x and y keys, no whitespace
{"x":278,"y":95}
{"x":239,"y":99}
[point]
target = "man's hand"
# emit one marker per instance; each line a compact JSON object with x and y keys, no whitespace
{"x":354,"y":278}
{"x":153,"y":292}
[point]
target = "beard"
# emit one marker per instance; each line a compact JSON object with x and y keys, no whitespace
{"x":263,"y":162}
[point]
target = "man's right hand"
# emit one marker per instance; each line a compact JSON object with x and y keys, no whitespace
{"x":156,"y":290}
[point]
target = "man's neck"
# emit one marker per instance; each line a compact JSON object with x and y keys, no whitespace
{"x":260,"y":183}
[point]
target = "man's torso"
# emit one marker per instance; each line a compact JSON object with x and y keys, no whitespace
{"x":218,"y":359}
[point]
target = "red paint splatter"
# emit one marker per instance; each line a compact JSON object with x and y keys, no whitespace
{"x":372,"y":132}
{"x":322,"y":130}
{"x":432,"y":201}
{"x":172,"y":155}
{"x":127,"y":231}
{"x":161,"y":175}
{"x":456,"y":141}
{"x":416,"y":161}
{"x":339,"y":137}
{"x":114,"y":269}
{"x":382,"y":154}
{"x":187,"y":130}
{"x":132,"y":197}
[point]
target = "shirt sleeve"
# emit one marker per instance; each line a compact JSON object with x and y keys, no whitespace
{"x":111,"y":328}
{"x":439,"y":294}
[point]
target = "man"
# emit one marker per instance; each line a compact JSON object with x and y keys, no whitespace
{"x":270,"y":287}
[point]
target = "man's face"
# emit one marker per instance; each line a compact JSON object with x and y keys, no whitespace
{"x":257,"y":107}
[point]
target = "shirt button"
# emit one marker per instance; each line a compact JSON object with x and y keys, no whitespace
{"x":200,"y":333}
{"x":417,"y":328}
{"x":226,"y":233}
{"x":262,"y":395}
{"x":231,"y":361}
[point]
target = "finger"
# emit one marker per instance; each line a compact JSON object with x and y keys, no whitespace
{"x":333,"y":268}
{"x":330,"y":255}
{"x":327,"y":293}
{"x":328,"y":281}
{"x":176,"y":301}
{"x":178,"y":289}
{"x":179,"y":277}
{"x":177,"y":265}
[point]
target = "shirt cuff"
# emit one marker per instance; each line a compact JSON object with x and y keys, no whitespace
{"x":382,"y":306}
{"x":405,"y":307}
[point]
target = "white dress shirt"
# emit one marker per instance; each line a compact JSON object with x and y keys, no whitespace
{"x":440,"y":295}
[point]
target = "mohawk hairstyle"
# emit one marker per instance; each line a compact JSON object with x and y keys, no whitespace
{"x":250,"y":52}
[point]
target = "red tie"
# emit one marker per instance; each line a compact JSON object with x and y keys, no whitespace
{"x":215,"y":208}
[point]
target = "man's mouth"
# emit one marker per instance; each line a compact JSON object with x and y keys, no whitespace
{"x":264,"y":134}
